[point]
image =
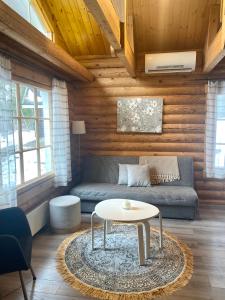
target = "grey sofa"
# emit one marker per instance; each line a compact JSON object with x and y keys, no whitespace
{"x":176,"y":199}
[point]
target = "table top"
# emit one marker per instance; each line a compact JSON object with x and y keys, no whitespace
{"x":112,"y":209}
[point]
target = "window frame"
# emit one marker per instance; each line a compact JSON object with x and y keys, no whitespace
{"x":43,"y":18}
{"x":39,"y":12}
{"x":219,"y":144}
{"x":37,"y":147}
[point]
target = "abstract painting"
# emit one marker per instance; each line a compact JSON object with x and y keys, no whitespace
{"x":140,"y":115}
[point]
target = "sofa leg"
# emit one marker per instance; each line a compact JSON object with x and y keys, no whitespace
{"x":32,"y":272}
{"x":23,"y":286}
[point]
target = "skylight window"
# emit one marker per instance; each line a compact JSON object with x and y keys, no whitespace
{"x":28,"y":11}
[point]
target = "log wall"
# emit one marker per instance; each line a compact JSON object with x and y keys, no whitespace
{"x":183,"y":119}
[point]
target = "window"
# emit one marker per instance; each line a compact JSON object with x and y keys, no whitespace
{"x":220,"y":132}
{"x":32,"y":134}
{"x":27,"y":10}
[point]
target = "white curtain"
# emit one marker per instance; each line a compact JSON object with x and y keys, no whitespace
{"x":7,"y":147}
{"x":215,"y":130}
{"x":61,"y":133}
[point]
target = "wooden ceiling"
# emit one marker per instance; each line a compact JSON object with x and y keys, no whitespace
{"x":167,"y":25}
{"x":76,"y":26}
{"x":159,"y":25}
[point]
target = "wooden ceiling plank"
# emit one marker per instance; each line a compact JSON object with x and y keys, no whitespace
{"x":98,"y":33}
{"x":214,"y":47}
{"x":67,"y":20}
{"x":58,"y":10}
{"x":91,"y":28}
{"x":18,"y":29}
{"x":76,"y":24}
{"x":49,"y":18}
{"x":83,"y":26}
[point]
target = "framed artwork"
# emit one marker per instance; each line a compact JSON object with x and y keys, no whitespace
{"x":140,"y":115}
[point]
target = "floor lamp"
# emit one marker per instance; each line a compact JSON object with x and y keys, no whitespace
{"x":78,"y":127}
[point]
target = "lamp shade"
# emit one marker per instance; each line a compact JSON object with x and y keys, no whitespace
{"x":78,"y":127}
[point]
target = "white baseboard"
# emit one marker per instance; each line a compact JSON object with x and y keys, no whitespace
{"x":38,"y":217}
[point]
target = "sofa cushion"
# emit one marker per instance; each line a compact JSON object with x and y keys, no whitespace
{"x":158,"y":195}
{"x":138,"y":175}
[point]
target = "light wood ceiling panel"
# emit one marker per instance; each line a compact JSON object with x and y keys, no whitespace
{"x":81,"y":33}
{"x":167,"y":25}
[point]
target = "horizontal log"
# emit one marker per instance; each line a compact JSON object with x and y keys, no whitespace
{"x":112,"y":109}
{"x":184,"y":119}
{"x":166,"y":128}
{"x":210,"y":185}
{"x":114,"y":81}
{"x":183,"y":109}
{"x":167,"y":119}
{"x":144,"y":137}
{"x":199,"y":156}
{"x":190,"y":128}
{"x":100,"y":63}
{"x":110,"y":72}
{"x":167,"y":100}
{"x":203,"y":194}
{"x":212,"y":202}
{"x":141,"y":91}
{"x":160,"y":147}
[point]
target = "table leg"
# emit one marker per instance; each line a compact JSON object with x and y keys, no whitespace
{"x":92,"y":229}
{"x":109,"y":226}
{"x":161,"y":231}
{"x":140,"y":244}
{"x":147,"y":239}
{"x":105,"y":223}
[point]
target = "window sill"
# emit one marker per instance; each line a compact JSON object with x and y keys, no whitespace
{"x":33,"y":183}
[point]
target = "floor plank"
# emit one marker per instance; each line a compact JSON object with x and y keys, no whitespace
{"x":205,"y":236}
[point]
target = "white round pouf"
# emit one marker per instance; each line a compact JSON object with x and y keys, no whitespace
{"x":65,"y":215}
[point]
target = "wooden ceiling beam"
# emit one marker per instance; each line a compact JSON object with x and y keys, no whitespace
{"x":119,"y":35}
{"x":18,"y":29}
{"x":214,"y":50}
{"x":105,"y":15}
{"x":126,"y":54}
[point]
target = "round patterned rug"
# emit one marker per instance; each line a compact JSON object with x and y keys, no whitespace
{"x":115,"y":273}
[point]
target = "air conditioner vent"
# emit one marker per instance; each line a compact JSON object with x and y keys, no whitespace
{"x":170,"y":67}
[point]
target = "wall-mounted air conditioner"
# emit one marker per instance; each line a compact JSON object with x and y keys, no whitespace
{"x":171,"y":62}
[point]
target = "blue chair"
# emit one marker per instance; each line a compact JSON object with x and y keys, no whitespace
{"x":15,"y":243}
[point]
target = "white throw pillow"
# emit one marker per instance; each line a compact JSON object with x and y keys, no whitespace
{"x":138,"y":175}
{"x":122,"y":174}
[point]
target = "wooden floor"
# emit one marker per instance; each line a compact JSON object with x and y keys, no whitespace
{"x":205,"y":236}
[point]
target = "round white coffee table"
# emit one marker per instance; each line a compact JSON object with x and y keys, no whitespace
{"x":140,"y":213}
